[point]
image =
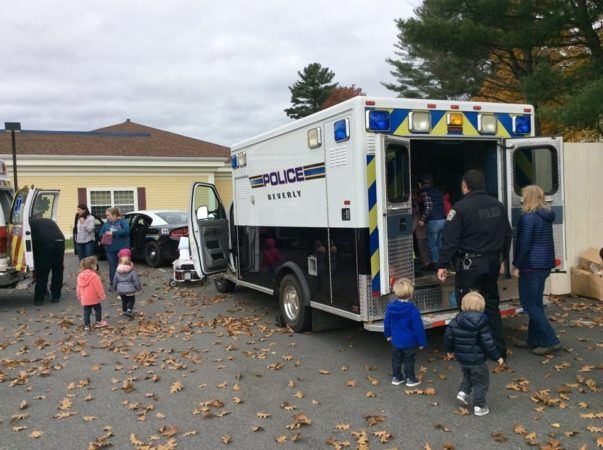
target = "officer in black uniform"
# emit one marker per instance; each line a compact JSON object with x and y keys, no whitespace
{"x":477,"y":238}
{"x":49,"y":254}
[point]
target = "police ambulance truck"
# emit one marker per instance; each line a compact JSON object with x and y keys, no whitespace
{"x":322,"y":215}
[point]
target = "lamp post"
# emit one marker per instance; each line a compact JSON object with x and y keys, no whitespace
{"x":13,"y":127}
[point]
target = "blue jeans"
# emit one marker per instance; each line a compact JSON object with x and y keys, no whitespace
{"x":406,"y":356}
{"x":112,"y":259}
{"x":531,"y":290}
{"x":85,"y":250}
{"x":434,"y":238}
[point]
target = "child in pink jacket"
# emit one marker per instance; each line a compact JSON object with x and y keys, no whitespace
{"x":90,"y":292}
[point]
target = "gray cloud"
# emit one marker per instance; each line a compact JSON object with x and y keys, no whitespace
{"x":218,"y":71}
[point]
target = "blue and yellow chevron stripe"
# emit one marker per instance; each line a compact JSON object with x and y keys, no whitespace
{"x":439,"y":127}
{"x":371,"y":182}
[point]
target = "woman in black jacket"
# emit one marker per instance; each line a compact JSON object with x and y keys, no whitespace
{"x":534,"y":258}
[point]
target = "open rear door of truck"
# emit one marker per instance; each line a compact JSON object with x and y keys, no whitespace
{"x":208,"y":230}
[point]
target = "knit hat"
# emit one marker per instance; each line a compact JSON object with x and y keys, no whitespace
{"x":124,"y":252}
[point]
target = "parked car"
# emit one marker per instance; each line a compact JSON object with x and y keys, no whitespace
{"x":154,"y":235}
{"x":99,"y":250}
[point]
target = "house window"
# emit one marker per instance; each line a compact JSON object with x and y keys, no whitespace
{"x":100,"y":199}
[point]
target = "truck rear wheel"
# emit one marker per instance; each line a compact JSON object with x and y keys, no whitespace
{"x":223,"y":285}
{"x":296,"y":315}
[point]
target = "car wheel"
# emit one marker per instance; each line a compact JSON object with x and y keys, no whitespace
{"x":295,"y":314}
{"x":152,"y":254}
{"x":223,"y":285}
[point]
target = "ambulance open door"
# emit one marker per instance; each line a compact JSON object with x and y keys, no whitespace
{"x":29,"y":203}
{"x":208,"y":230}
{"x":538,"y":161}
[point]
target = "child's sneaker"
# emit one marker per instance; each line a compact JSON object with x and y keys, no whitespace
{"x":462,"y":397}
{"x":397,"y":381}
{"x":101,"y":324}
{"x":480,"y":411}
{"x":129,"y":313}
{"x":412,"y":383}
{"x":86,"y":329}
{"x":119,"y":297}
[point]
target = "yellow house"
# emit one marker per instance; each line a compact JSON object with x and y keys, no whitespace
{"x":127,"y":165}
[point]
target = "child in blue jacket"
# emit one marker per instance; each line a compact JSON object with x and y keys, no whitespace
{"x":403,"y":327}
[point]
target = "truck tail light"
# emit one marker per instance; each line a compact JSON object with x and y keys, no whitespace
{"x":179,"y":232}
{"x":3,"y":242}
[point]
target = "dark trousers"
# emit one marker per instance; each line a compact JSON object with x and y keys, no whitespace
{"x":112,"y":259}
{"x":127,"y":302}
{"x":84,"y":250}
{"x":531,"y":290}
{"x":98,"y":309}
{"x":477,"y":378}
{"x":482,"y":276}
{"x":49,"y":257}
{"x":406,"y":356}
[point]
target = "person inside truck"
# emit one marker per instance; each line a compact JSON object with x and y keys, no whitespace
{"x":432,"y":218}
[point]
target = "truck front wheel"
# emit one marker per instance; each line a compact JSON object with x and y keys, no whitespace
{"x":296,"y":315}
{"x":223,"y":285}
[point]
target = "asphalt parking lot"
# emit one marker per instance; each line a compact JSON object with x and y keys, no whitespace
{"x":198,"y":369}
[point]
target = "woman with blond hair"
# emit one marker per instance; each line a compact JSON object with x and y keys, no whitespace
{"x":532,"y":263}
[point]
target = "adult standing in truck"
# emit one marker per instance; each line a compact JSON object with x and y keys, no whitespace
{"x":477,"y":238}
{"x":432,"y":217}
{"x":48,"y":243}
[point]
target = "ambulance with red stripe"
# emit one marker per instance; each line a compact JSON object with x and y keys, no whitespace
{"x":322,"y":213}
{"x":16,"y":251}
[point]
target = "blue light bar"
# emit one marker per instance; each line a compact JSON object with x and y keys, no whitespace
{"x":378,"y":120}
{"x":522,"y":124}
{"x":341,"y":130}
{"x":233,"y":162}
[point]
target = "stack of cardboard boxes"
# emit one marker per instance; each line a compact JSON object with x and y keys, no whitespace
{"x":587,"y":278}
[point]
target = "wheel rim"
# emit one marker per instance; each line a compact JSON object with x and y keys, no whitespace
{"x":152,"y":253}
{"x":291,"y":303}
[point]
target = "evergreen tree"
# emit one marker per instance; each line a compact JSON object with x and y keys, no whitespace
{"x":310,"y":92}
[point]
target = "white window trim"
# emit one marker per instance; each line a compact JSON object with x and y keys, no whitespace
{"x":112,"y":190}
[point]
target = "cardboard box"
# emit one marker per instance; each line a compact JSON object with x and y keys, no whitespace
{"x":590,"y":257}
{"x":587,"y":284}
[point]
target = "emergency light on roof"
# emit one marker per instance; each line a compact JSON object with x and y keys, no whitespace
{"x":233,"y":162}
{"x":522,"y":124}
{"x":454,"y":119}
{"x":242,"y":159}
{"x":419,"y":121}
{"x":377,"y":120}
{"x":341,"y":130}
{"x":487,"y":123}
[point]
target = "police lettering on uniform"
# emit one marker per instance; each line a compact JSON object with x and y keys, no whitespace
{"x":477,"y":238}
{"x":48,"y":244}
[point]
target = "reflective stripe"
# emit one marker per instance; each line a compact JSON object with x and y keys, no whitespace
{"x":371,"y":182}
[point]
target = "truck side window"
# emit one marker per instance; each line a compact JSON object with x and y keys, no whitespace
{"x":536,"y":165}
{"x":397,"y":177}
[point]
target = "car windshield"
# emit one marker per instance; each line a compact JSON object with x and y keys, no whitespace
{"x":173,"y":217}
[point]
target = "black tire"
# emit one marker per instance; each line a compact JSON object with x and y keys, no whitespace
{"x":223,"y":285}
{"x":152,"y":254}
{"x":291,"y":303}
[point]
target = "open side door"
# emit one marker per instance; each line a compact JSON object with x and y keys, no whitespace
{"x":538,"y":161}
{"x":394,"y":212}
{"x":208,"y":230}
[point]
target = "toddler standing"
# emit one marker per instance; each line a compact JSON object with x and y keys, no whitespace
{"x":403,"y":327}
{"x":468,"y":336}
{"x":126,"y":283}
{"x":90,"y":292}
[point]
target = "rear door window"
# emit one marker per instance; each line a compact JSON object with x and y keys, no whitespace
{"x":536,"y":165}
{"x":397,"y":173}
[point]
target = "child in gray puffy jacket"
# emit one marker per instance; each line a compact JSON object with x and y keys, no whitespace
{"x":126,"y":283}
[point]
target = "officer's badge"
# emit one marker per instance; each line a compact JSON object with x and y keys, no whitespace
{"x":451,"y":215}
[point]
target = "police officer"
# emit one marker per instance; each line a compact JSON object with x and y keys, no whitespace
{"x":48,"y":244}
{"x":477,"y":238}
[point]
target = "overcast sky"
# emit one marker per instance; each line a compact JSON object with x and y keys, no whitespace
{"x":217,"y":71}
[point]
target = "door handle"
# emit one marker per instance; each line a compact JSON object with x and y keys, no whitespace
{"x":28,"y":233}
{"x":402,"y":224}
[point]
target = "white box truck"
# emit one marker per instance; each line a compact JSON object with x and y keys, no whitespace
{"x":322,"y":216}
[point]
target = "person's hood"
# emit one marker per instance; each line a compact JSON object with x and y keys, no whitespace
{"x":471,"y":320}
{"x":547,"y":214}
{"x":85,"y":278}
{"x":398,"y":307}
{"x":124,"y":268}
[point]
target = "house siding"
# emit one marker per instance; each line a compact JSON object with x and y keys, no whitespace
{"x":162,"y":192}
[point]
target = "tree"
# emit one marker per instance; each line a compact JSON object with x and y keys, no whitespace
{"x":340,"y":94}
{"x":310,"y":92}
{"x":544,"y":52}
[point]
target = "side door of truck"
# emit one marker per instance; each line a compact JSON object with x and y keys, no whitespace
{"x":29,"y":203}
{"x":208,"y":230}
{"x":538,"y":161}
